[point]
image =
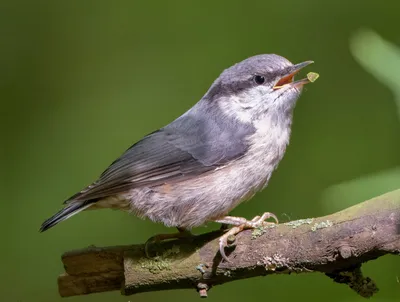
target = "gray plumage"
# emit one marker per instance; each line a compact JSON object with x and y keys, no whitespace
{"x":207,"y":161}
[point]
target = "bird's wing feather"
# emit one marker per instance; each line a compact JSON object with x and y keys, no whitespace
{"x":186,"y":148}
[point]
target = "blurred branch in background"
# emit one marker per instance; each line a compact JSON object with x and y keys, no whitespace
{"x":382,"y":60}
{"x":335,"y":245}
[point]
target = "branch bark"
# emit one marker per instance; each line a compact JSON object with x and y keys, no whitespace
{"x":335,"y":245}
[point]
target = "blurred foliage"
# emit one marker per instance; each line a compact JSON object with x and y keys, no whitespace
{"x":382,"y":60}
{"x":379,"y":57}
{"x":82,"y":80}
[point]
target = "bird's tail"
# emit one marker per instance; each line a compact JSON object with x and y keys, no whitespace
{"x":70,"y":210}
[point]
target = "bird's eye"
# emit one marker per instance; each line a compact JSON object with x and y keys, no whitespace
{"x":259,"y":79}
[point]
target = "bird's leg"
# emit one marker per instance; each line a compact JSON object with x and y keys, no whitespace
{"x":161,"y":237}
{"x":240,"y":224}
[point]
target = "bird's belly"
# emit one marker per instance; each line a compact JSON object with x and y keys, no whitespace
{"x":196,"y":201}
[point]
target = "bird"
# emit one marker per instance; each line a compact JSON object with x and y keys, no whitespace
{"x":203,"y":164}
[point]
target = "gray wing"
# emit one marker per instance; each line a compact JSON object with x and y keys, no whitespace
{"x":188,"y":147}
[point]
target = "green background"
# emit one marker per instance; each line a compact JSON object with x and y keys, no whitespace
{"x":82,"y":80}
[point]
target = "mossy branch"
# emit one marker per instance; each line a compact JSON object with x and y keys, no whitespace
{"x":336,"y":245}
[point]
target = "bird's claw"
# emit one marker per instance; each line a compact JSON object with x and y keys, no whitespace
{"x":256,"y":222}
{"x":223,"y":240}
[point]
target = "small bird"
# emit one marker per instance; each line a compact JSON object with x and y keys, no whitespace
{"x":203,"y":164}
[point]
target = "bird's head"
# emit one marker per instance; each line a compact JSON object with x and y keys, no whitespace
{"x":258,"y":87}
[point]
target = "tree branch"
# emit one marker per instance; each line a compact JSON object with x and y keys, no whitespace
{"x":336,"y":245}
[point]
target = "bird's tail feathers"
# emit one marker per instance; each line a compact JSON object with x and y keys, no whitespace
{"x":69,"y":211}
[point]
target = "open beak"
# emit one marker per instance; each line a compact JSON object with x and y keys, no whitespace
{"x":288,"y":79}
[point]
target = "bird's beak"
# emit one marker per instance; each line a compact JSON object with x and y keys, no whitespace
{"x":288,"y":79}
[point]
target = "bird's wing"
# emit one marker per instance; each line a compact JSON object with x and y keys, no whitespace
{"x":186,"y":148}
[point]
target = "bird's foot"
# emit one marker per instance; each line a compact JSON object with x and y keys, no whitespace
{"x":240,"y":224}
{"x":162,"y":237}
